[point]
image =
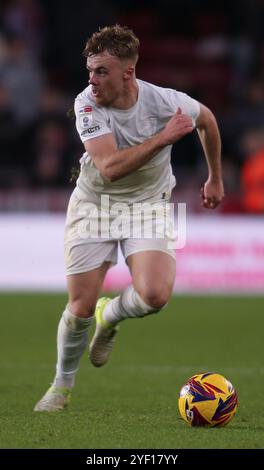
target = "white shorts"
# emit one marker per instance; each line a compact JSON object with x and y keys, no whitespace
{"x":87,"y":248}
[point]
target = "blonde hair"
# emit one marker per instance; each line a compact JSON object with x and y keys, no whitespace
{"x":119,"y":41}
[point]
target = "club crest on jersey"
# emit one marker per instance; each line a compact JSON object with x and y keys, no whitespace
{"x":85,"y":116}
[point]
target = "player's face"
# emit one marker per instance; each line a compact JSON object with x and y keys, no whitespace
{"x":106,"y":74}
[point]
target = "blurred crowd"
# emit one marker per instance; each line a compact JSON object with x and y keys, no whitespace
{"x":213,"y":51}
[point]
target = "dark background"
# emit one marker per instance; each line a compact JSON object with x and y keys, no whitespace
{"x":213,"y":51}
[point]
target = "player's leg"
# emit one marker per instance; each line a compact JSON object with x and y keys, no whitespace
{"x":153,"y":274}
{"x":72,"y":336}
{"x":87,"y":261}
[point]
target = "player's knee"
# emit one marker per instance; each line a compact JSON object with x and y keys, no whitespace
{"x":155,"y":297}
{"x":81,"y":307}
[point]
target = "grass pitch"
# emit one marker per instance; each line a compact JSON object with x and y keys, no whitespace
{"x":132,"y":401}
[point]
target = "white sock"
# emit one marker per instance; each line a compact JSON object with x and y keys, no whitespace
{"x":127,"y":305}
{"x":72,"y":340}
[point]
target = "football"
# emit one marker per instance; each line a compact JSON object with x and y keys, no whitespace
{"x":208,"y":399}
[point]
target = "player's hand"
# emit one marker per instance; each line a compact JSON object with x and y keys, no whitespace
{"x":178,"y":126}
{"x":212,"y":193}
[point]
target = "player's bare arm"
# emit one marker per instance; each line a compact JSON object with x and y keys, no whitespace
{"x":114,"y":164}
{"x":212,"y":192}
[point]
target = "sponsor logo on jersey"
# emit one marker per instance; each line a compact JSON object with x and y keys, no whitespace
{"x":85,"y":116}
{"x":86,"y":109}
{"x":90,"y":130}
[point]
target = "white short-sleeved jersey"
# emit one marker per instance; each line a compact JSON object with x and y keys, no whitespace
{"x":153,"y":109}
